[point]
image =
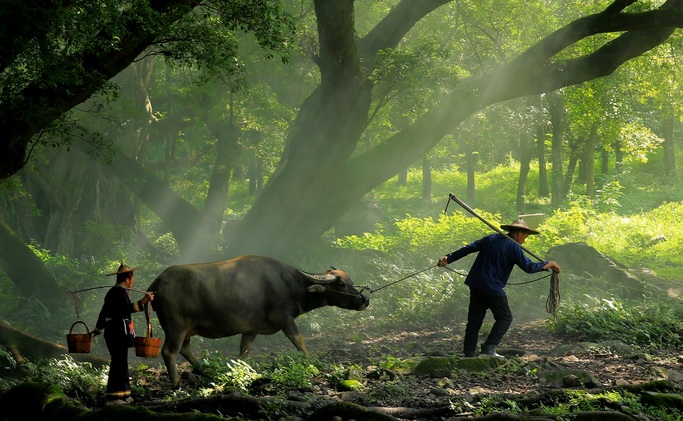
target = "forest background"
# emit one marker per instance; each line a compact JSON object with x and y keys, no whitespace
{"x":331,"y":135}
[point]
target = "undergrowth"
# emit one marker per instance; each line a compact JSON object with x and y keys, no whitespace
{"x":652,"y":325}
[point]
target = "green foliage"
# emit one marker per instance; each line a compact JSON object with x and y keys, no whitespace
{"x":288,"y":370}
{"x":237,"y":374}
{"x":292,"y":370}
{"x":74,"y":378}
{"x":653,"y":325}
{"x":79,"y":380}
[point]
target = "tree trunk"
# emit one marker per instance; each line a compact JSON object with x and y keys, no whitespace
{"x":525,"y":160}
{"x":604,"y":161}
{"x":574,"y":155}
{"x":618,"y":156}
{"x":28,"y":273}
{"x":227,"y":151}
{"x":543,"y":188}
{"x":426,"y":178}
{"x":589,"y":158}
{"x":557,"y":113}
{"x":28,"y":346}
{"x":471,"y":168}
{"x":669,"y":144}
{"x":402,"y":179}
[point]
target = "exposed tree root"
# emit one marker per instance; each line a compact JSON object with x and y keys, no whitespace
{"x":22,"y":345}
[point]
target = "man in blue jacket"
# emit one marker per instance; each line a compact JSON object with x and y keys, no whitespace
{"x":488,"y":276}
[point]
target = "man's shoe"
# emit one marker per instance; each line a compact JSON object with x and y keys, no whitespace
{"x":469,"y":354}
{"x":116,"y":402}
{"x":490,"y":350}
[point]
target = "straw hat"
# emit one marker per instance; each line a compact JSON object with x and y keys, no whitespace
{"x":123,"y":269}
{"x":519,"y":224}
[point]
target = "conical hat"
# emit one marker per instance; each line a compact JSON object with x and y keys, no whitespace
{"x":123,"y":269}
{"x":519,"y":224}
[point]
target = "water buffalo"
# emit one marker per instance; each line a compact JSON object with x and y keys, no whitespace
{"x":248,"y":295}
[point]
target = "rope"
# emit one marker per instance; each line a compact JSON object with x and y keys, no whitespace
{"x":404,"y":278}
{"x":553,"y":301}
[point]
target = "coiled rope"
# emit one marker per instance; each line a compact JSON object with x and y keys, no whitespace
{"x":553,"y":301}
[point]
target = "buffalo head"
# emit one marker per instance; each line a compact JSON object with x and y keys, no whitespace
{"x":337,"y":289}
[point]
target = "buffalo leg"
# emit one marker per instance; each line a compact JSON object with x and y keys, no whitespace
{"x":169,"y":352}
{"x":186,"y":351}
{"x":246,"y":344}
{"x":292,"y":332}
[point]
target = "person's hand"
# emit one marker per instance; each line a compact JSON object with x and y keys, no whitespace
{"x":552,"y":265}
{"x":443,"y":261}
{"x":149,"y":296}
{"x":94,"y":333}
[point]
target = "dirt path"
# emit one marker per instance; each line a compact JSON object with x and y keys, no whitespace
{"x":518,"y":377}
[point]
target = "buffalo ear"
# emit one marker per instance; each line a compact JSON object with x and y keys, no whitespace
{"x":317,"y":288}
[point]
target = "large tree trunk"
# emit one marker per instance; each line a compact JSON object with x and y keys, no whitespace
{"x":27,"y":271}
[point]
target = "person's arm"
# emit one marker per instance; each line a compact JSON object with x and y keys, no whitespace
{"x":459,"y":253}
{"x":140,"y":304}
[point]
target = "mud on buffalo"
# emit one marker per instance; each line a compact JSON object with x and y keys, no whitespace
{"x":248,"y":295}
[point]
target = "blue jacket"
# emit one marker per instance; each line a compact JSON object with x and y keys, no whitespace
{"x":493,"y":265}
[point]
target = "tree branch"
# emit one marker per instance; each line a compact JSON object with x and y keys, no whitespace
{"x":395,"y":25}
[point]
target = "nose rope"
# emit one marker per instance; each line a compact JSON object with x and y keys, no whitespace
{"x":360,"y":294}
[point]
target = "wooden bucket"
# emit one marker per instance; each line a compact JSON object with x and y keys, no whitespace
{"x":79,"y":343}
{"x":147,"y":346}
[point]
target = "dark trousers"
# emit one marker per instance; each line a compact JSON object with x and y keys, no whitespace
{"x":118,"y":384}
{"x":480,"y":301}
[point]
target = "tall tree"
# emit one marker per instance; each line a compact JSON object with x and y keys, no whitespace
{"x":322,"y":173}
{"x":319,"y":179}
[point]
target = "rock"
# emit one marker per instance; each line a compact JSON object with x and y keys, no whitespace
{"x":433,"y":366}
{"x":671,"y":400}
{"x":582,"y":348}
{"x":479,"y":364}
{"x":438,"y":392}
{"x":559,"y":378}
{"x":605,"y":273}
{"x":445,"y":383}
{"x":382,"y":374}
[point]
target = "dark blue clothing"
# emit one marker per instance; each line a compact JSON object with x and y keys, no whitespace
{"x":493,"y":265}
{"x":115,"y":320}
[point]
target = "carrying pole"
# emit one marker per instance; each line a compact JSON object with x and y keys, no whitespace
{"x":493,"y":227}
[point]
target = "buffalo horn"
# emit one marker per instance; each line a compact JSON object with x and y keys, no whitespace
{"x":324,"y":278}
